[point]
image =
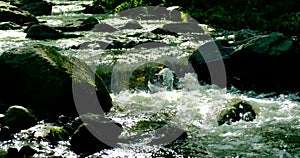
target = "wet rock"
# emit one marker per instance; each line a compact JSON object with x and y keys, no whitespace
{"x":38,"y":8}
{"x":9,"y":13}
{"x":95,"y":8}
{"x":45,"y":81}
{"x":209,"y":59}
{"x":88,"y":24}
{"x":26,"y":151}
{"x":41,"y":32}
{"x":143,"y":126}
{"x":132,"y":25}
{"x":13,"y":153}
{"x":265,"y":63}
{"x":9,"y":26}
{"x":183,"y":28}
{"x":46,"y":132}
{"x":236,"y":110}
{"x":18,"y":118}
{"x":162,"y":31}
{"x":5,"y":133}
{"x":150,"y":77}
{"x":125,"y":44}
{"x":104,"y":28}
{"x":96,"y":134}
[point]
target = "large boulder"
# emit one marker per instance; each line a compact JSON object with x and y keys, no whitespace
{"x":44,"y":80}
{"x":265,"y":63}
{"x":10,"y":13}
{"x":262,"y":63}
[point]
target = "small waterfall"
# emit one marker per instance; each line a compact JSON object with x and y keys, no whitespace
{"x":165,"y":81}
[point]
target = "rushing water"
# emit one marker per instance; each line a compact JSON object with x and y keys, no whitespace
{"x":193,"y":108}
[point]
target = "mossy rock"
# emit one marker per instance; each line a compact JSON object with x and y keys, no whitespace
{"x":18,"y":118}
{"x":46,"y":132}
{"x":144,"y":125}
{"x":41,"y":78}
{"x":236,"y":110}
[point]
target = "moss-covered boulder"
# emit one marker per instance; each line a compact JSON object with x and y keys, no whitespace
{"x":18,"y":118}
{"x":10,"y":13}
{"x":41,"y":78}
{"x":236,"y":110}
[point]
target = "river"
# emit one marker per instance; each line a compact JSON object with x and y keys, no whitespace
{"x":193,"y":108}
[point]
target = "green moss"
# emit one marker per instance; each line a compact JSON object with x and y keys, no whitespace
{"x":143,"y":126}
{"x":56,"y":134}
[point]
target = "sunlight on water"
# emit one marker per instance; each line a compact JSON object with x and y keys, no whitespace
{"x":194,"y":108}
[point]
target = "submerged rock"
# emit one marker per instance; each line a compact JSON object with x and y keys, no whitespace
{"x":18,"y":118}
{"x":9,"y":13}
{"x":44,"y":80}
{"x":236,"y":110}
